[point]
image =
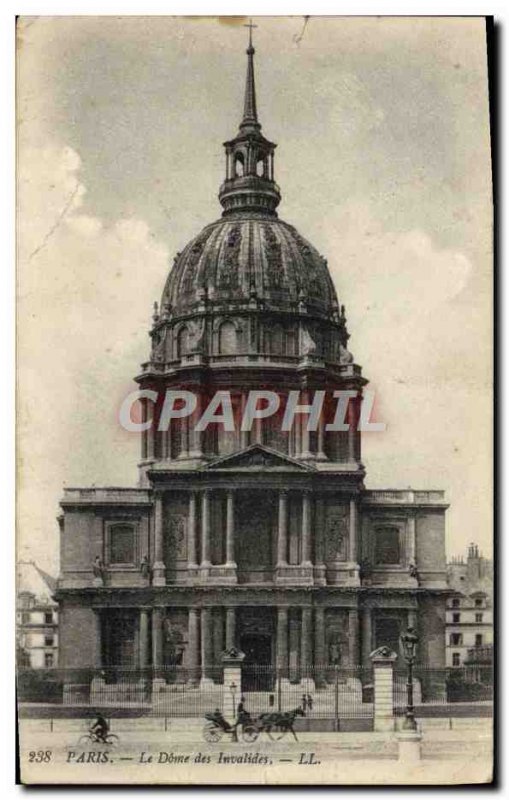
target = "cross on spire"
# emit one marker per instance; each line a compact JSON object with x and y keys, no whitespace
{"x":250,"y":117}
{"x":250,"y":25}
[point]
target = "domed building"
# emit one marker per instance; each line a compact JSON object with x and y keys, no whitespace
{"x":262,"y":539}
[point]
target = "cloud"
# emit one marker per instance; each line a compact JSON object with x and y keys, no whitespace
{"x":80,"y":336}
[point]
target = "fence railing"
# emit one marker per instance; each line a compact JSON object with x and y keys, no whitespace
{"x":323,"y":691}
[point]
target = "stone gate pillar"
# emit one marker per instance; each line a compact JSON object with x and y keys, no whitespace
{"x":232,"y":681}
{"x":383,"y":679}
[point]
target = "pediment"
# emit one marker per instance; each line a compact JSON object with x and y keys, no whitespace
{"x":258,"y":457}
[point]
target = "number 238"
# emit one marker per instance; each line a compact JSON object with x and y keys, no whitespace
{"x":39,"y":756}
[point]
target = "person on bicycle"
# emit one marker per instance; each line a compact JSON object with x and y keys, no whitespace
{"x":100,"y":728}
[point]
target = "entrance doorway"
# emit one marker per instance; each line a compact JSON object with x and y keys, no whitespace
{"x":257,"y":670}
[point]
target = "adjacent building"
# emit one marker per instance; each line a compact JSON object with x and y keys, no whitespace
{"x":36,"y":617}
{"x":469,"y":615}
{"x":265,"y":540}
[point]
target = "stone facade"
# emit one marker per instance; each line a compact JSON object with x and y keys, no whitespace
{"x":263,"y":540}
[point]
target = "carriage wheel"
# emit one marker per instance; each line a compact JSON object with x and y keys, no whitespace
{"x":276,"y":732}
{"x":211,"y":732}
{"x":250,"y":733}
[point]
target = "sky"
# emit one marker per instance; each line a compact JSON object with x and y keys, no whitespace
{"x":383,"y":161}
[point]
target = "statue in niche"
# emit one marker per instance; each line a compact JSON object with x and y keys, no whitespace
{"x":158,"y":341}
{"x":145,"y":568}
{"x":196,"y":330}
{"x":177,"y":535}
{"x":308,"y":344}
{"x":173,"y":643}
{"x":336,"y":535}
{"x":98,"y":568}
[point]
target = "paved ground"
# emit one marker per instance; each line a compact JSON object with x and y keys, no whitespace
{"x":149,"y":754}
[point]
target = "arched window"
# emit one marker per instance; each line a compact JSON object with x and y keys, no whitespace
{"x":239,"y":165}
{"x":182,"y":342}
{"x":260,"y":168}
{"x":291,"y":342}
{"x":387,"y":550}
{"x":276,"y":340}
{"x":227,"y":338}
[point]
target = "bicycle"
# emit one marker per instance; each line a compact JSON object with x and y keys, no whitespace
{"x":110,"y":739}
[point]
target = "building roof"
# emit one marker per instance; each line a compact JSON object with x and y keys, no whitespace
{"x":31,"y":578}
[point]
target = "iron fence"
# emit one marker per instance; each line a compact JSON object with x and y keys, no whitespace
{"x":322,"y":692}
{"x":432,"y":686}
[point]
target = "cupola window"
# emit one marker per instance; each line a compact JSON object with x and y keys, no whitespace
{"x":227,"y":338}
{"x":182,"y":342}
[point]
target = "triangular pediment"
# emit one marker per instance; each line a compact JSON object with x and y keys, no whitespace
{"x":258,"y":457}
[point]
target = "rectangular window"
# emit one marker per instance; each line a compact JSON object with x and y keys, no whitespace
{"x":478,"y":617}
{"x":478,"y":602}
{"x":387,"y":546}
{"x":48,"y":617}
{"x":48,"y":641}
{"x":456,"y":639}
{"x":48,"y":659}
{"x":456,"y":602}
{"x":456,"y":660}
{"x":122,"y":545}
{"x":478,"y":639}
{"x":456,"y":617}
{"x":25,"y":618}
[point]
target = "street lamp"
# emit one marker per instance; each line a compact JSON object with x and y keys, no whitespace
{"x":233,"y":687}
{"x":409,"y":642}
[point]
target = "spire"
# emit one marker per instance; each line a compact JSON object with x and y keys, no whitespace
{"x":250,"y":119}
{"x":249,"y":184}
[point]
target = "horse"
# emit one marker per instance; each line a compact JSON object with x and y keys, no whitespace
{"x":282,"y":721}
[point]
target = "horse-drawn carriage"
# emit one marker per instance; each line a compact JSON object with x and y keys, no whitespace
{"x":276,"y":724}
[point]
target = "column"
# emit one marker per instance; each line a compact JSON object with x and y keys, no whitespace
{"x":321,"y":439}
{"x":411,"y":540}
{"x":353,"y":638}
{"x":159,"y":567}
{"x":193,"y":644}
{"x":319,"y":533}
{"x":230,"y":528}
{"x":184,"y":438}
{"x":205,"y":528}
{"x":207,"y":643}
{"x":143,"y":638}
{"x":352,"y":428}
{"x":306,"y":529}
{"x":367,"y":636}
{"x":218,"y":635}
{"x":230,"y":628}
{"x":150,"y":432}
{"x":320,"y":658}
{"x":157,"y":637}
{"x":244,"y":435}
{"x":98,"y":661}
{"x":282,"y":641}
{"x":304,"y":449}
{"x":282,"y":533}
{"x":191,"y":532}
{"x":352,"y":548}
{"x":195,"y":437}
{"x":306,"y":658}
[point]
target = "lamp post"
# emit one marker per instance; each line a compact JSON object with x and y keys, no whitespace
{"x":233,"y":687}
{"x":409,"y":642}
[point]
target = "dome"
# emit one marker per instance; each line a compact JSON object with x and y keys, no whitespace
{"x":250,"y":255}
